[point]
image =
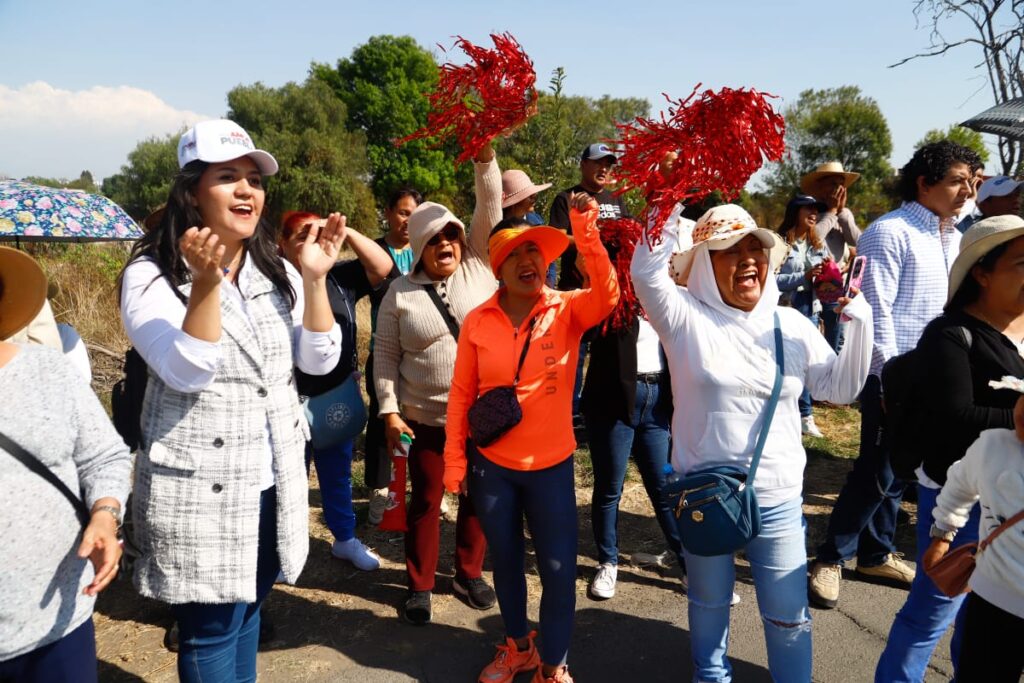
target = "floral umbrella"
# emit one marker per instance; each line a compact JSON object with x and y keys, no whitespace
{"x":36,"y":213}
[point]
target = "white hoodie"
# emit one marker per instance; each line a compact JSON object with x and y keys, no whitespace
{"x":722,"y":362}
{"x":992,"y":470}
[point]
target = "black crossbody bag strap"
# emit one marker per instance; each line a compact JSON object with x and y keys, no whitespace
{"x":453,"y":326}
{"x":43,"y":471}
{"x":526,"y":347}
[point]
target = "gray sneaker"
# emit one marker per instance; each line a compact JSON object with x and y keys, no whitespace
{"x":823,"y":586}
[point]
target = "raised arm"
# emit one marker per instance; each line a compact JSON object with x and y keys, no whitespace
{"x":839,"y":379}
{"x":592,"y":305}
{"x":463,"y":392}
{"x":375,"y":260}
{"x":654,"y":287}
{"x":487,"y":211}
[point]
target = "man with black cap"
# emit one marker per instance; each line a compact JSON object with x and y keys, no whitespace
{"x":596,"y":163}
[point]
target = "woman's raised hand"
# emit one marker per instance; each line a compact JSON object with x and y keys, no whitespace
{"x":320,"y":250}
{"x":203,"y":253}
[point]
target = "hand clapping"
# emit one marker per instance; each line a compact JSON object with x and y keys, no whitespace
{"x":320,"y":250}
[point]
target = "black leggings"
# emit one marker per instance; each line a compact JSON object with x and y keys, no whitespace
{"x":991,"y":649}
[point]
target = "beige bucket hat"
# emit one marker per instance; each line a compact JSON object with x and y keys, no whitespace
{"x":981,"y":238}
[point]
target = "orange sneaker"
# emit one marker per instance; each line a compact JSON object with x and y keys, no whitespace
{"x":560,"y":675}
{"x":510,"y":661}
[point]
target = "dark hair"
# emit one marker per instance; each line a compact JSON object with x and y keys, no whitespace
{"x":400,"y":194}
{"x":789,"y":222}
{"x":969,"y":289}
{"x":161,"y":243}
{"x":507,"y":223}
{"x":932,"y":162}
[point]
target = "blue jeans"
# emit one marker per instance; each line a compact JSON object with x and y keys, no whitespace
{"x":835,"y":330}
{"x":334,"y":472}
{"x":72,"y":659}
{"x":927,"y":613}
{"x":218,"y":641}
{"x":863,"y":521}
{"x":778,"y":563}
{"x":548,"y":499}
{"x":647,"y":438}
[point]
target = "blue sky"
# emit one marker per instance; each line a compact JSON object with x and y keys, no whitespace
{"x":82,"y":82}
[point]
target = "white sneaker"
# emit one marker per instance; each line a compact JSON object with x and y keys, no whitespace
{"x":378,"y":502}
{"x":603,"y":584}
{"x":808,"y":427}
{"x":357,"y":553}
{"x":735,"y":600}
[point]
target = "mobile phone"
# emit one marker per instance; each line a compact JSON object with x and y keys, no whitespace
{"x":855,"y":275}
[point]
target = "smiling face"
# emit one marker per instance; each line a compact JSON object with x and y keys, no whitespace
{"x":398,"y":221}
{"x":229,"y":197}
{"x":946,"y":197}
{"x":596,"y":173}
{"x":740,"y":272}
{"x":806,"y":220}
{"x":1002,"y":288}
{"x":442,"y":253}
{"x":523,"y":270}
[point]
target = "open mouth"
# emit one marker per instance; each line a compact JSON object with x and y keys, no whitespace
{"x":527,"y":277}
{"x":445,"y":257}
{"x":746,"y":280}
{"x":242,"y":210}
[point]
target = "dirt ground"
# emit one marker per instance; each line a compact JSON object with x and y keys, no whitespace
{"x":337,"y":617}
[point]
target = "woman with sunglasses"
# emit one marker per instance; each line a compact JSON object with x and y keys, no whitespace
{"x":414,"y":359}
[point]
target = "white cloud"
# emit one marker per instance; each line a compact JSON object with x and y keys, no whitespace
{"x":48,"y":131}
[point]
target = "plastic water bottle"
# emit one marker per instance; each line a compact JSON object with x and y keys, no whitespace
{"x":403,"y":451}
{"x":671,"y":476}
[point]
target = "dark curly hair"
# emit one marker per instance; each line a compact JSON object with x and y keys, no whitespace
{"x":932,"y":162}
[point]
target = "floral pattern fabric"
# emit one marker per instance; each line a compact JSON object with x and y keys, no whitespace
{"x":34,"y":211}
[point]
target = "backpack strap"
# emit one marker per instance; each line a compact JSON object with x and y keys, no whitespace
{"x":526,"y":347}
{"x":453,"y":326}
{"x":29,"y":461}
{"x":773,"y":401}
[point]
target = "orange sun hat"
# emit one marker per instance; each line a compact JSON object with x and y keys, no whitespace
{"x":551,"y":241}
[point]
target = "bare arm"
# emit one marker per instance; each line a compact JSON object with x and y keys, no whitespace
{"x":374,"y":259}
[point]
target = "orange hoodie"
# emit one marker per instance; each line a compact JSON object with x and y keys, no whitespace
{"x":489,"y":350}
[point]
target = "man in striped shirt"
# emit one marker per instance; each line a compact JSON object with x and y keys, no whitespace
{"x":909,"y":252}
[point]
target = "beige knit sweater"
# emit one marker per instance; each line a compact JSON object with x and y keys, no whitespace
{"x":413,"y":350}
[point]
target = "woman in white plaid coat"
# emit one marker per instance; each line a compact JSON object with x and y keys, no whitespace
{"x":220,"y":500}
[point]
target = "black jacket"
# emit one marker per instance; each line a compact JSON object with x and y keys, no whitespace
{"x":609,"y":392}
{"x":956,"y":387}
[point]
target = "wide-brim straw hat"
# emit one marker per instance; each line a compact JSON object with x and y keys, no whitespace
{"x":720,"y":228}
{"x":23,"y":292}
{"x":517,"y":186}
{"x":981,"y":238}
{"x":551,"y":242}
{"x":826,"y":169}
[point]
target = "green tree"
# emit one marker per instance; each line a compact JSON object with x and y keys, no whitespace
{"x":548,"y":146}
{"x":836,"y":124}
{"x":962,"y":136}
{"x":323,"y":164}
{"x":84,"y":182}
{"x":384,"y":84}
{"x":143,"y":183}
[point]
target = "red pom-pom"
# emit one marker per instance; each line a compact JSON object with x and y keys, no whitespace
{"x":721,"y":139}
{"x":477,"y":101}
{"x":620,"y":236}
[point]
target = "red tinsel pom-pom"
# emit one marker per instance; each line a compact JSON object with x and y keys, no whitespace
{"x":620,"y":237}
{"x":721,"y":138}
{"x":477,"y":101}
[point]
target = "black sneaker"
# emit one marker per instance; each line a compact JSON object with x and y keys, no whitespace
{"x":476,"y":592}
{"x":417,"y":608}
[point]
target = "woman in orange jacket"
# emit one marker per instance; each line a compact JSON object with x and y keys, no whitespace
{"x":528,"y":336}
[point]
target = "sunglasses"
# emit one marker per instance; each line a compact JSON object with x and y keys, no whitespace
{"x":450,"y":233}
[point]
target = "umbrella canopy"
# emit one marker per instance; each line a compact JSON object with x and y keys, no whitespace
{"x":37,"y":213}
{"x":1006,"y":119}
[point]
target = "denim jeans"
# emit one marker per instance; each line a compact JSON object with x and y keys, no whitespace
{"x":647,"y":438}
{"x":218,"y":642}
{"x":778,"y":563}
{"x":863,"y":521}
{"x":72,"y":659}
{"x":334,"y":472}
{"x":547,"y":498}
{"x":835,"y":330}
{"x":927,"y":613}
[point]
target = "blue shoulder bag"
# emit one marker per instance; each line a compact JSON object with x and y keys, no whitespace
{"x":716,"y":508}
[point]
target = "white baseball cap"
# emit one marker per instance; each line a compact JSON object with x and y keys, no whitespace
{"x":220,"y":140}
{"x":997,"y":186}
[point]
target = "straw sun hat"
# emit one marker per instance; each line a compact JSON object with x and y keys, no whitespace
{"x":22,"y":290}
{"x":981,"y":238}
{"x":517,"y":186}
{"x":826,"y":169}
{"x":720,"y":228}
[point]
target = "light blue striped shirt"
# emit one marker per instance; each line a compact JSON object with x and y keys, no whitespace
{"x":909,"y":252}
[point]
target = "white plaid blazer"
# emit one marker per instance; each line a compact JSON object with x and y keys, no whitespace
{"x":197,"y":477}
